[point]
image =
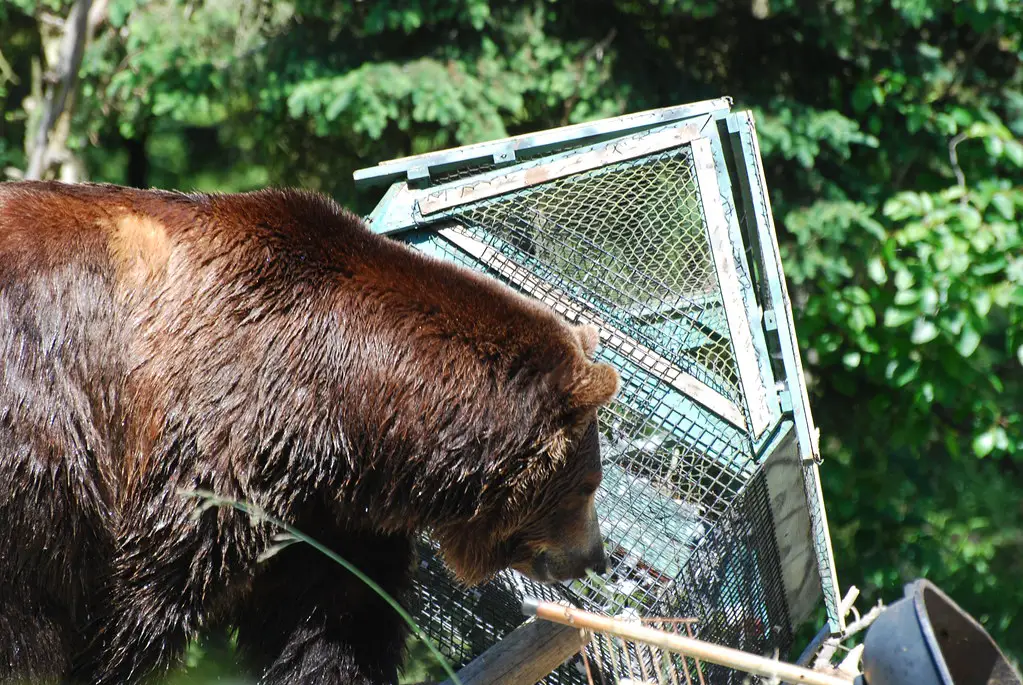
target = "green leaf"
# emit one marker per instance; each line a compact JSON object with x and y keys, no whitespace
{"x":857,"y":295}
{"x":954,"y":324}
{"x":982,"y":303}
{"x":996,"y":383}
{"x":929,"y":300}
{"x":1004,"y":204}
{"x":1014,"y":152}
{"x":994,"y":146}
{"x":969,"y":341}
{"x":862,"y":97}
{"x":873,"y":228}
{"x":479,"y":12}
{"x":962,"y":116}
{"x":907,"y":297}
{"x":901,"y":374}
{"x":861,"y":317}
{"x":1001,"y":438}
{"x":924,"y":331}
{"x":979,"y":129}
{"x":876,"y":270}
{"x":338,"y":105}
{"x":898,"y":208}
{"x":903,"y":278}
{"x":970,"y":217}
{"x":895,"y":318}
{"x":868,"y":344}
{"x":118,"y":12}
{"x":992,"y":266}
{"x":984,"y":443}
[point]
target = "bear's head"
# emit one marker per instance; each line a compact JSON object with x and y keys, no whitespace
{"x":547,"y":527}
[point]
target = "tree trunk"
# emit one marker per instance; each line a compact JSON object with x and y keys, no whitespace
{"x":47,"y":145}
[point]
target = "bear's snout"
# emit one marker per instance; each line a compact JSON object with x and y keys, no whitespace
{"x":597,"y":561}
{"x":580,"y":552}
{"x":558,"y":566}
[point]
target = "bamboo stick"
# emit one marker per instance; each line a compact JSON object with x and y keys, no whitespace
{"x":698,"y":649}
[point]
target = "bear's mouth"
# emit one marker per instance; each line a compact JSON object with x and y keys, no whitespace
{"x":540,"y":568}
{"x":543,"y":569}
{"x":537,"y":568}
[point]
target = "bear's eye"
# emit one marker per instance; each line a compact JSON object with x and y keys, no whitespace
{"x":588,"y":489}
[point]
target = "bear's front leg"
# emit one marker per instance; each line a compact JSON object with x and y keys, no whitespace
{"x":308,"y":620}
{"x":170,"y":571}
{"x":34,"y":646}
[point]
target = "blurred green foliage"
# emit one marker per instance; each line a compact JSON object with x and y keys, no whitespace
{"x":891,"y":132}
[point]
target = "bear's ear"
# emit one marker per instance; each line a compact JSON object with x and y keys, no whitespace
{"x":592,"y":385}
{"x":589,"y":338}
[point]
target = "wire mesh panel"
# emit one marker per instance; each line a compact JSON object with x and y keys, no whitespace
{"x":633,"y":234}
{"x":639,"y":257}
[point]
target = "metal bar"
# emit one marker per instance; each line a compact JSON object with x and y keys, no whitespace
{"x":382,"y":207}
{"x":402,"y":209}
{"x":620,"y":150}
{"x":698,"y":649}
{"x":793,"y":528}
{"x":771,"y":257}
{"x":506,"y":149}
{"x":806,"y":433}
{"x":822,"y":542}
{"x":811,"y":649}
{"x":586,"y":665}
{"x":597,"y":655}
{"x":685,"y":668}
{"x":745,"y":261}
{"x":396,"y":212}
{"x":731,"y":295}
{"x":625,"y":345}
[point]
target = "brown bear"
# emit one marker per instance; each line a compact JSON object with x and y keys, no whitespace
{"x":270,"y":348}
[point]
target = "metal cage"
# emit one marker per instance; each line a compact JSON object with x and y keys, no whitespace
{"x":656,"y":227}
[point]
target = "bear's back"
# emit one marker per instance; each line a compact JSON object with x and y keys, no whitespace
{"x":198,"y":305}
{"x":48,"y":225}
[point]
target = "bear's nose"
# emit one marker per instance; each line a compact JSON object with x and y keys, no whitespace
{"x":598,"y":560}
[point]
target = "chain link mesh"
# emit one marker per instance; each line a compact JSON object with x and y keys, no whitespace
{"x":462,"y":172}
{"x":821,"y":542}
{"x":629,"y":241}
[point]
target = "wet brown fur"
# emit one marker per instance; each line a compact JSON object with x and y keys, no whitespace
{"x":268,"y":347}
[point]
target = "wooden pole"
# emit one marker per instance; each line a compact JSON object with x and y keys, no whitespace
{"x":527,"y":654}
{"x":698,"y":649}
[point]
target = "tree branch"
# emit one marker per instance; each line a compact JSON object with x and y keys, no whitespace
{"x":954,"y":158}
{"x":72,"y":46}
{"x":6,"y":72}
